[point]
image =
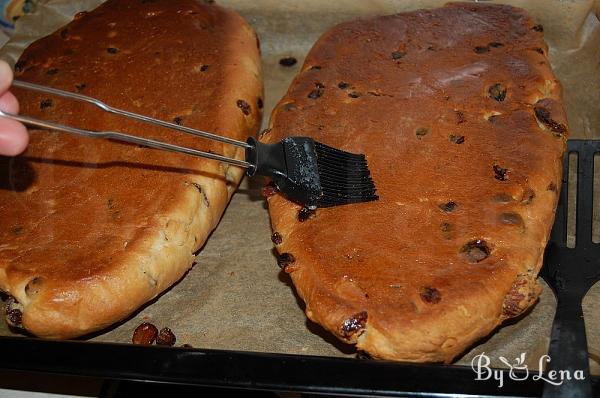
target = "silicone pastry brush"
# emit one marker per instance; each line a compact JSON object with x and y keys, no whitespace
{"x":304,"y":170}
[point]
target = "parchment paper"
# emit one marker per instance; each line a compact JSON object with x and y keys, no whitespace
{"x":235,"y":297}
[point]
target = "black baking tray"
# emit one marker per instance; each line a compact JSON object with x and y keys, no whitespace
{"x":263,"y":371}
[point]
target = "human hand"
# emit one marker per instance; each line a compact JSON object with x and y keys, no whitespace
{"x":13,"y":135}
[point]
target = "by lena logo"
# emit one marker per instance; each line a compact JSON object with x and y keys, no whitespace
{"x":517,"y":370}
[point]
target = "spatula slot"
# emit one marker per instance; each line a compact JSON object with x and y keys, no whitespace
{"x":596,"y":200}
{"x":571,"y":173}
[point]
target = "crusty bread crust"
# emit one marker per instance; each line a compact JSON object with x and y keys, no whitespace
{"x":93,"y":228}
{"x":459,"y":115}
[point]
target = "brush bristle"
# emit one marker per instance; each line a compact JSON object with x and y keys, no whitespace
{"x":345,"y":177}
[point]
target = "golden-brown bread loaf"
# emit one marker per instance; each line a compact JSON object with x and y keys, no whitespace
{"x":459,"y":115}
{"x":93,"y":229}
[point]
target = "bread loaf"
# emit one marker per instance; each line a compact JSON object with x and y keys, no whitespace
{"x":459,"y":116}
{"x":93,"y":229}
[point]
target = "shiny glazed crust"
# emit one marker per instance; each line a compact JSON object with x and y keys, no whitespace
{"x":93,"y":228}
{"x":459,"y":115}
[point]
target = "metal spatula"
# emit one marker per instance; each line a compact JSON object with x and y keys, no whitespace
{"x":306,"y":171}
{"x":571,"y":273}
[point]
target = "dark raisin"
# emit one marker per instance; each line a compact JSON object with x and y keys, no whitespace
{"x":46,"y":103}
{"x":259,"y":103}
{"x":110,"y":203}
{"x":551,"y":187}
{"x":14,"y":317}
{"x":276,"y":238}
{"x":244,"y":106}
{"x":204,"y":68}
{"x":448,"y":207}
{"x":316,"y":93}
{"x":421,"y":132}
{"x":285,"y":259}
{"x":355,"y":324}
{"x":511,"y":219}
{"x":16,"y":230}
{"x":538,"y":28}
{"x":397,"y":55}
{"x":500,"y":173}
{"x":539,"y":50}
{"x":52,"y":71}
{"x":497,"y":92}
{"x":518,"y":296}
{"x":80,"y":87}
{"x":481,"y":49}
{"x":495,"y":44}
{"x":343,"y":85}
{"x":166,"y":337}
{"x":20,"y":66}
{"x":34,"y":286}
{"x":460,"y":117}
{"x":145,"y":334}
{"x":457,"y":139}
{"x":305,"y":214}
{"x":288,"y":61}
{"x":354,"y":94}
{"x":178,"y":120}
{"x":112,"y":50}
{"x":476,"y":250}
{"x":269,"y":190}
{"x":430,"y":295}
{"x":64,"y":33}
{"x":543,"y":115}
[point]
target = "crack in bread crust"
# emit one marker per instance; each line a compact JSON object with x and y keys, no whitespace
{"x":462,"y":162}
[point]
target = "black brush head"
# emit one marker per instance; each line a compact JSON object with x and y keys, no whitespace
{"x":311,"y":173}
{"x":345,"y":177}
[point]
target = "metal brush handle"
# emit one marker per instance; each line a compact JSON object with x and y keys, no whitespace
{"x":131,"y":115}
{"x":126,"y":137}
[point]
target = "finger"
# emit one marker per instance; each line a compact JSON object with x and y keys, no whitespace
{"x":13,"y":137}
{"x":9,"y":103}
{"x":6,"y":76}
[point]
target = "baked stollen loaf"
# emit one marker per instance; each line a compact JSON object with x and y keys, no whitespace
{"x":459,"y":115}
{"x":93,"y":229}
